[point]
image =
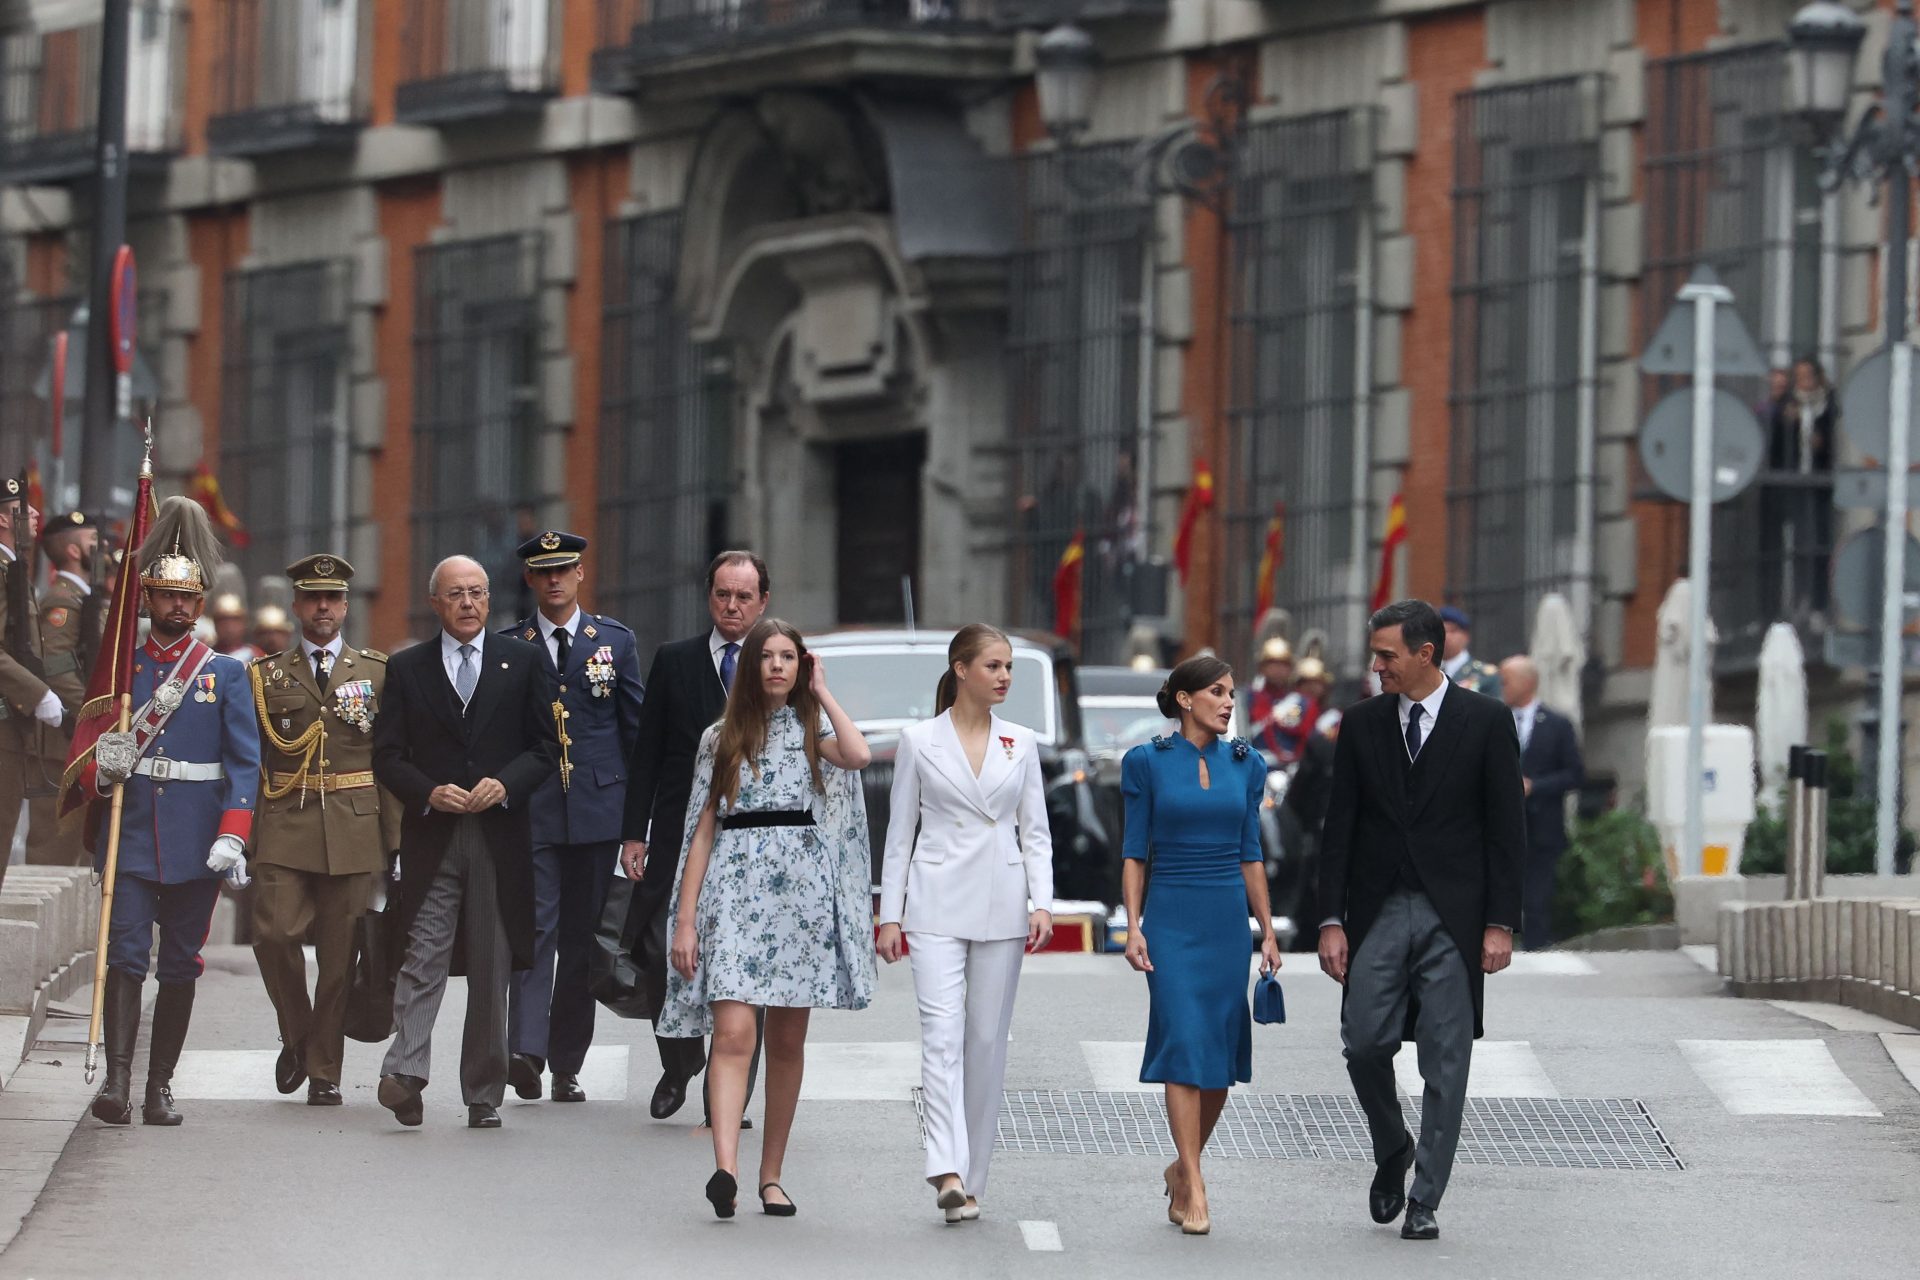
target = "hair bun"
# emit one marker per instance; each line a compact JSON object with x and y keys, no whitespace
{"x":1168,"y":704}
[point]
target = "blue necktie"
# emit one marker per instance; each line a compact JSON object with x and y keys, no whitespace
{"x":727,"y":664}
{"x":1413,"y":731}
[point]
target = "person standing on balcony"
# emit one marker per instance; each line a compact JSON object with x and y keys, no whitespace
{"x":969,"y":895}
{"x":773,"y":915}
{"x":687,"y":689}
{"x":577,"y":814}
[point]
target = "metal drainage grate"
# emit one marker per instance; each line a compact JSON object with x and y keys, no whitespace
{"x":1551,"y":1133}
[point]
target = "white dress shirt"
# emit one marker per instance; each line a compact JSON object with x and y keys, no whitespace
{"x":1430,"y":712}
{"x":717,"y":646}
{"x":1523,"y":721}
{"x":547,"y":629}
{"x":450,"y":656}
{"x":1452,"y":667}
{"x":333,"y":647}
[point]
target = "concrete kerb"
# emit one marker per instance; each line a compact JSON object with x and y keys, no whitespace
{"x":1863,"y":953}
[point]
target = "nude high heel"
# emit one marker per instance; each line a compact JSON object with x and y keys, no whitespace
{"x":1174,"y":1215}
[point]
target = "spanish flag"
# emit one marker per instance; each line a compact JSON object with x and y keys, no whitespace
{"x":1066,"y":587}
{"x":205,"y":490}
{"x":1271,"y":558}
{"x":1199,"y":499}
{"x":1396,"y":534}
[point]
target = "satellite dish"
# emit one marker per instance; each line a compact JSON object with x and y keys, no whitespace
{"x":1666,"y":446}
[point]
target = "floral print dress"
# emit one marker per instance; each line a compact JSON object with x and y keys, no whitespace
{"x":785,"y":916}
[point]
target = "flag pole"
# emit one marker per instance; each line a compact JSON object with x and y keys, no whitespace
{"x":122,"y":722}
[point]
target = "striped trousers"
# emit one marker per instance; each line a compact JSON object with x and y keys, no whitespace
{"x":463,"y":899}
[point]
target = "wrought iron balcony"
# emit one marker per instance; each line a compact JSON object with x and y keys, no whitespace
{"x":706,"y":48}
{"x":1773,"y":546}
{"x":468,"y":59}
{"x":1040,"y":14}
{"x":285,"y":75}
{"x":50,"y":95}
{"x":613,"y":44}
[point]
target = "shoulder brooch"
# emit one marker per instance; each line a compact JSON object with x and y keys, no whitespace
{"x":1162,"y":742}
{"x":1241,"y":748}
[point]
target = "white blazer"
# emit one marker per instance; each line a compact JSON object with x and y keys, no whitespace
{"x":984,"y":850}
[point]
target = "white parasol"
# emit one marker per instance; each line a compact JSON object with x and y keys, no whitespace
{"x":1559,"y":653}
{"x":1780,"y":718}
{"x":1668,"y":703}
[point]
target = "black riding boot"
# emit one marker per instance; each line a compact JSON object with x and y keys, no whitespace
{"x":122,"y":1015}
{"x":172,"y":1010}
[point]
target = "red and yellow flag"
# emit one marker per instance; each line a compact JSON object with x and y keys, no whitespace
{"x":1066,"y":587}
{"x":112,"y":676}
{"x":1271,"y":558}
{"x":1396,"y":533}
{"x":205,"y":490}
{"x":1199,"y":499}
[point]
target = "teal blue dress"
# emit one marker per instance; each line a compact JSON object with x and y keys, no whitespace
{"x":1199,"y":1026}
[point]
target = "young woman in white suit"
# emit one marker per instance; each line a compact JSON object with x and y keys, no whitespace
{"x":971,"y":893}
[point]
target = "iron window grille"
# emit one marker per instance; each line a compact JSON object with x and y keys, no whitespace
{"x":285,"y":433}
{"x":469,"y":58}
{"x":478,"y":420}
{"x":1729,"y":184}
{"x":50,"y":93}
{"x":1298,"y":226}
{"x":1519,"y":498}
{"x":285,"y":74}
{"x":672,"y":28}
{"x":666,"y":429}
{"x":618,"y":25}
{"x":1074,"y":397}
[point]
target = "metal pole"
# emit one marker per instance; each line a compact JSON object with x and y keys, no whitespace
{"x":1796,"y":821}
{"x":1700,"y":537}
{"x":1898,"y":73}
{"x":109,"y":232}
{"x":1815,"y":818}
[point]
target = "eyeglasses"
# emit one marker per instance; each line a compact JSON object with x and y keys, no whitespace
{"x":460,"y":595}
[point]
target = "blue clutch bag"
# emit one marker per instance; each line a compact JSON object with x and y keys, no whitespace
{"x":1269,"y":1003}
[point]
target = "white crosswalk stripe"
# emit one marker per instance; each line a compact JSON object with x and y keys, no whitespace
{"x":1551,"y":964}
{"x":1115,"y":1065}
{"x":861,"y":1071}
{"x":246,"y":1075}
{"x":1500,"y":1069}
{"x":1776,"y":1078}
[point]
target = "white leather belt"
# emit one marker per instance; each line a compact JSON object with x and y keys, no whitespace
{"x":161,"y":769}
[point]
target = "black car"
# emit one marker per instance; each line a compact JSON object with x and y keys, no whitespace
{"x":885,"y":680}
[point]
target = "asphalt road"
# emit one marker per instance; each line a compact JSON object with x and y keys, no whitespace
{"x":1800,"y":1144}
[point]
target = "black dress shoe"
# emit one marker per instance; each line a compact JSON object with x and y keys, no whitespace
{"x":290,"y":1068}
{"x":1419,"y":1224}
{"x":1388,"y":1194}
{"x":566,"y":1088}
{"x":482,"y":1115}
{"x":668,"y":1096}
{"x":401,"y":1095}
{"x":523,"y":1073}
{"x":323,"y":1093}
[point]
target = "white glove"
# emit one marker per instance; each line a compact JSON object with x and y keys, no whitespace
{"x":114,"y":757}
{"x":48,"y":710}
{"x":238,"y":877}
{"x":226,"y":854}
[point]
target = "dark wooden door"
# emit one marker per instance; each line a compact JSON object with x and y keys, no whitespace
{"x":878,"y":498}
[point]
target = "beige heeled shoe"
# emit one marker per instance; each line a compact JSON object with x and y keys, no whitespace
{"x":953,"y":1203}
{"x":1174,"y":1215}
{"x":1196,"y":1224}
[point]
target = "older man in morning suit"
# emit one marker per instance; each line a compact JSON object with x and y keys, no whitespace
{"x":687,"y":688}
{"x":1420,"y":869}
{"x":465,"y":740}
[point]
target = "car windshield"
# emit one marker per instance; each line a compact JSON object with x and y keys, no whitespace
{"x":891,"y":686}
{"x":1115,"y":727}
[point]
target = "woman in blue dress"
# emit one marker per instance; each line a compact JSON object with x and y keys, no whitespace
{"x":1193,"y":804}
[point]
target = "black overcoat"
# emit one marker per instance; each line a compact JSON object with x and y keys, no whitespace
{"x":684,"y":695}
{"x":1457,"y":813}
{"x":422,"y":739}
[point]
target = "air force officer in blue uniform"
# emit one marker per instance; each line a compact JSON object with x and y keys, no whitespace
{"x":576,"y":814}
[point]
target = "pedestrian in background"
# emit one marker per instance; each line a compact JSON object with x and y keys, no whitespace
{"x":1193,"y":808}
{"x":687,"y":689}
{"x":974,"y":887}
{"x":774,"y":907}
{"x":1550,"y":770}
{"x":326,"y":833}
{"x":1420,"y":867}
{"x":576,"y":814}
{"x":69,"y":639}
{"x":465,"y":741}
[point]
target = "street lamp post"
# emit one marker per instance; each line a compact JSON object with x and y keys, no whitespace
{"x":1823,"y":41}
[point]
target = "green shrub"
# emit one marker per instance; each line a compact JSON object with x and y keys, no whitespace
{"x":1612,"y":874}
{"x":1850,"y":820}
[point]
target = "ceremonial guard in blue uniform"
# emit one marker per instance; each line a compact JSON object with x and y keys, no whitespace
{"x":576,"y":814}
{"x":191,"y":769}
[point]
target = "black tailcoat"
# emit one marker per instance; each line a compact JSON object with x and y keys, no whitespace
{"x":684,"y":695}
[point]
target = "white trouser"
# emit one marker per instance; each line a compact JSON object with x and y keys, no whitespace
{"x":965,"y":990}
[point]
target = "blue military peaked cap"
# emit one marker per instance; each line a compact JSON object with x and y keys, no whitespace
{"x":1456,"y":615}
{"x":551,"y":550}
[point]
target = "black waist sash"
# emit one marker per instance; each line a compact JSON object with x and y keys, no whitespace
{"x":767,"y":818}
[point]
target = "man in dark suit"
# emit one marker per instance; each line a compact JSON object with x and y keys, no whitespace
{"x":686,"y":691}
{"x":464,"y":741}
{"x":1550,"y":767}
{"x":576,"y":814}
{"x":1420,"y":871}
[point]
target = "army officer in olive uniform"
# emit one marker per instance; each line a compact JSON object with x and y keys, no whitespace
{"x":325,"y":831}
{"x":68,"y":642}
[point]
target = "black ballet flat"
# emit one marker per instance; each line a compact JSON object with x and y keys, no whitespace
{"x":722,"y":1193}
{"x":772,"y":1210}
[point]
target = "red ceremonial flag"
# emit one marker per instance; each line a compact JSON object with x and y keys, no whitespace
{"x":1274,"y":555}
{"x":1396,"y":534}
{"x":1066,"y":587}
{"x":36,"y":495}
{"x":1199,"y":499}
{"x":112,"y":677}
{"x":206,"y":492}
